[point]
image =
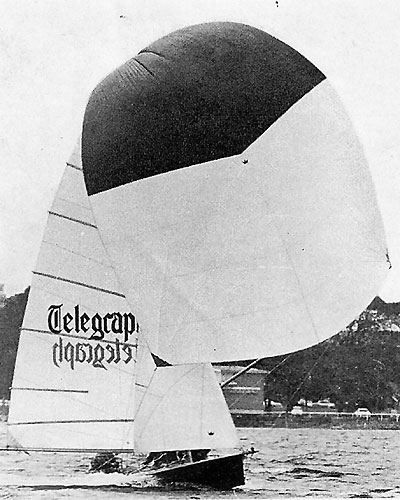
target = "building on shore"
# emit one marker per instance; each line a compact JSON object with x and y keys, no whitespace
{"x":246,"y":393}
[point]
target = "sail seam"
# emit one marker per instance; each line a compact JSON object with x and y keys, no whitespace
{"x":48,"y":390}
{"x":90,"y":421}
{"x":79,"y":283}
{"x":72,"y":219}
{"x":61,"y":334}
{"x":65,"y":249}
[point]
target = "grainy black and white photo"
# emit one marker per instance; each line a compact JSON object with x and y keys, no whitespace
{"x":200,"y":249}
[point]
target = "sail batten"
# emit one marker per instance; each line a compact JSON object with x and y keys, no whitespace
{"x":79,"y":283}
{"x":79,"y":391}
{"x":73,"y":166}
{"x":76,"y":421}
{"x":72,"y":219}
{"x":63,"y":334}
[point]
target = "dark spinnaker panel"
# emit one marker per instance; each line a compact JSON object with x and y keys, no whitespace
{"x":201,"y":93}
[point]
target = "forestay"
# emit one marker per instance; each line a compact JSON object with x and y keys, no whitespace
{"x":71,"y":392}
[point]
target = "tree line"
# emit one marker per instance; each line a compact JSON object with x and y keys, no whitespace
{"x":358,"y":367}
{"x":11,"y":316}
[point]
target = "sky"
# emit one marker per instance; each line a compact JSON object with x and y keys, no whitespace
{"x":54,"y":52}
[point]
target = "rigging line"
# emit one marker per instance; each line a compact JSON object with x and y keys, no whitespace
{"x":56,"y":245}
{"x":73,"y":282}
{"x":311,"y":369}
{"x":263,"y":377}
{"x":241,"y":372}
{"x":72,"y":219}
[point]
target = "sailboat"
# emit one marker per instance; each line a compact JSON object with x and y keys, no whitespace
{"x":218,"y":207}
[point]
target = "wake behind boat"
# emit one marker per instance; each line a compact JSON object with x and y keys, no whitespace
{"x":218,"y":208}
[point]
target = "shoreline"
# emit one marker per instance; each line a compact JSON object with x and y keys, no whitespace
{"x":339,"y":421}
{"x":316,"y":420}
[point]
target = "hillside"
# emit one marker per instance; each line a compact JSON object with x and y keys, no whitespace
{"x":359,"y":366}
{"x":11,"y":315}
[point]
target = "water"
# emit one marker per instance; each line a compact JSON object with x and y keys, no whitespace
{"x":290,"y":463}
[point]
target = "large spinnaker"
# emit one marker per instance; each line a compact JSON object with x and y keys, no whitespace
{"x":70,"y":392}
{"x":266,"y":245}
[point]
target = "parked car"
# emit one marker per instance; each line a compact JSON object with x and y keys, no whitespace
{"x":297,"y":410}
{"x":362,"y":412}
{"x":325,"y":402}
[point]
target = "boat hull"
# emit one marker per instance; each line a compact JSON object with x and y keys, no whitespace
{"x":221,"y":472}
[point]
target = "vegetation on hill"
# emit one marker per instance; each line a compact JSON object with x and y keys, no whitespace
{"x":358,"y":367}
{"x":11,"y":315}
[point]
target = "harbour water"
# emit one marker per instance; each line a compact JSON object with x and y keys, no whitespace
{"x":289,"y":463}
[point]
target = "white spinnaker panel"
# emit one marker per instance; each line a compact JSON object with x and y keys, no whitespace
{"x":256,"y":255}
{"x":184,"y":409}
{"x":70,"y":392}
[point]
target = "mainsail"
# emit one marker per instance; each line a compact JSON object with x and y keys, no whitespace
{"x":71,"y":391}
{"x":232,"y":196}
